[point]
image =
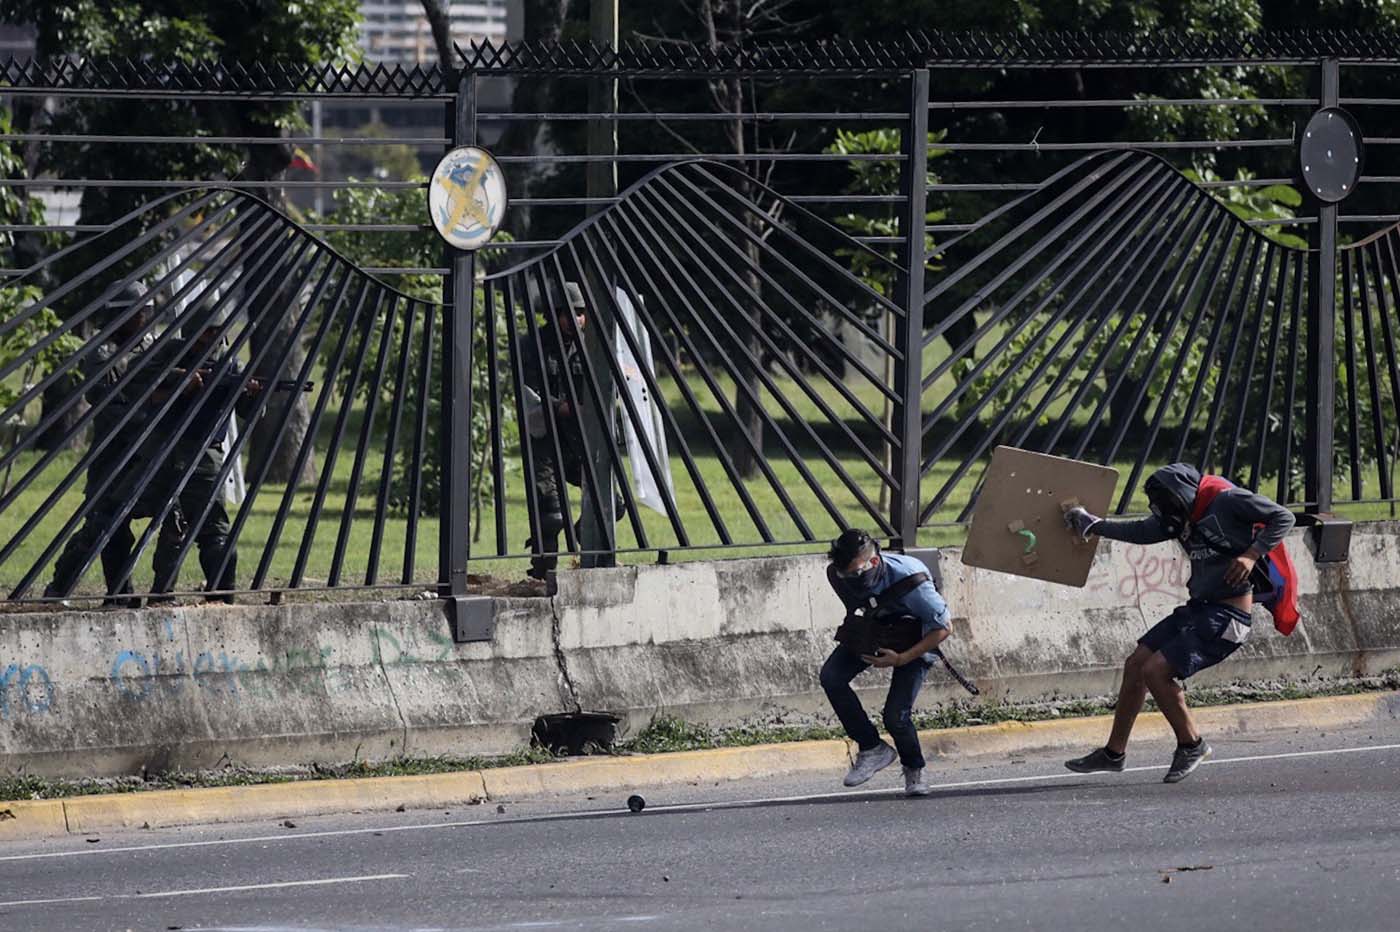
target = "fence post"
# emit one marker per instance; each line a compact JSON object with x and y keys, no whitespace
{"x":597,"y":522}
{"x":468,"y":620}
{"x":909,"y":334}
{"x":1322,"y":328}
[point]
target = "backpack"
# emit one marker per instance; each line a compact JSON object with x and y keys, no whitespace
{"x":872,"y":626}
{"x":1274,"y":580}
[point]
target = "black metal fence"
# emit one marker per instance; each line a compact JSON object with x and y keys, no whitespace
{"x":763,"y":324}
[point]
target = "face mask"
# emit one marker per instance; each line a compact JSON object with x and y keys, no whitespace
{"x":1173,"y":523}
{"x":866,"y":573}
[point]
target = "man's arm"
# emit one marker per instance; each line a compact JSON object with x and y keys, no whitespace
{"x":884,"y":657}
{"x":1147,"y":530}
{"x":1253,"y":508}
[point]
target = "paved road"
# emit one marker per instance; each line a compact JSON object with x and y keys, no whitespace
{"x":1281,"y":832}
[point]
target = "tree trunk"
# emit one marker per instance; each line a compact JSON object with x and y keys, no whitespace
{"x":269,"y":163}
{"x":440,"y":21}
{"x":748,"y":411}
{"x":544,"y":22}
{"x":728,"y":93}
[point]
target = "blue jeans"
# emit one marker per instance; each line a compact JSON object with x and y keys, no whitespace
{"x":905,"y":682}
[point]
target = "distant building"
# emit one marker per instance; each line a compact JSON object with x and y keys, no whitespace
{"x":16,"y":41}
{"x":397,"y":30}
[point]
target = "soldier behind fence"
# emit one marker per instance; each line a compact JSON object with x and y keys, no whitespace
{"x":114,"y":444}
{"x":556,"y":376}
{"x":199,"y":449}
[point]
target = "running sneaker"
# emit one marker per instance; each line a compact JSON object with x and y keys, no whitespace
{"x":868,"y":763}
{"x":1097,"y":761}
{"x":914,"y":784}
{"x":1186,"y":760}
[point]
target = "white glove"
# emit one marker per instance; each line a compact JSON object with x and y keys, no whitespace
{"x":1081,"y":522}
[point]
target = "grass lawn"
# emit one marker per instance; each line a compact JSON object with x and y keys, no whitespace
{"x":497,"y":546}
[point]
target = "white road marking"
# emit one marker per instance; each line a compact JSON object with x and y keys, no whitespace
{"x":679,"y":807}
{"x":61,"y":899}
{"x":328,"y":881}
{"x":207,"y":890}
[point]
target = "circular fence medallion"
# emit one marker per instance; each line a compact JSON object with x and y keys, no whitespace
{"x":1329,"y":154}
{"x":467,"y":197}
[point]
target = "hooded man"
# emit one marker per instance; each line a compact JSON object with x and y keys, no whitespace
{"x":1223,"y":542}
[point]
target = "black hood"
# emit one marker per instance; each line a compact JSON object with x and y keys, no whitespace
{"x":1175,"y":484}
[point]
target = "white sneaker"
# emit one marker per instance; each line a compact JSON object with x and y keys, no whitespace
{"x":914,"y":784}
{"x":868,"y":763}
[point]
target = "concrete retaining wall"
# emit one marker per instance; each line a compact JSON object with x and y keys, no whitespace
{"x":113,"y":692}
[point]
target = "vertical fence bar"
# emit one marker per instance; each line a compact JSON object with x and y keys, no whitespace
{"x":598,"y":521}
{"x":454,"y":528}
{"x":909,"y":336}
{"x":1322,"y":329}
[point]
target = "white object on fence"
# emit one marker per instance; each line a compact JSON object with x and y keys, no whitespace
{"x":647,"y":484}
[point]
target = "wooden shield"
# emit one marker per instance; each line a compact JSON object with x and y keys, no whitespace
{"x":1018,"y":524}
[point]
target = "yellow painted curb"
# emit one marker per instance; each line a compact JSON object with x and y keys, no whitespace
{"x":1023,"y":737}
{"x":87,"y":814}
{"x":591,"y":773}
{"x":37,"y":818}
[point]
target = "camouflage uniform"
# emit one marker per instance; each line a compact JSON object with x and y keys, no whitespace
{"x":106,"y":510}
{"x":199,"y":449}
{"x":556,"y":372}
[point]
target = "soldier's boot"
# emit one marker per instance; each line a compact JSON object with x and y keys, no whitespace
{"x":68,"y":567}
{"x":543,"y":563}
{"x":211,"y":554}
{"x":114,"y":556}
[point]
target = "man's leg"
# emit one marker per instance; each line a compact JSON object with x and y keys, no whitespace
{"x":1160,"y":678}
{"x":549,"y":509}
{"x":1131,"y":696}
{"x":67,"y":568}
{"x":905,"y":683}
{"x":1214,"y":632}
{"x":840,"y":668}
{"x":169,"y":539}
{"x":114,"y":557}
{"x":201,"y":492}
{"x":214,"y":544}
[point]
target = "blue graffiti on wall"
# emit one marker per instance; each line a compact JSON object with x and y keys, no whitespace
{"x":139,"y":676}
{"x":30,"y":685}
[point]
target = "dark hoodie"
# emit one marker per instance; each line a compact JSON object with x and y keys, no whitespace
{"x":1224,"y":532}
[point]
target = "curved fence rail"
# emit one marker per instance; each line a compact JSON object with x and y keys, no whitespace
{"x":741,"y":326}
{"x":1121,"y":315}
{"x":750,"y":363}
{"x":241,"y":385}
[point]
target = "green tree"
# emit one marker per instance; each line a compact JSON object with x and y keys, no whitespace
{"x":424,"y":249}
{"x":18,"y":208}
{"x":880,"y":178}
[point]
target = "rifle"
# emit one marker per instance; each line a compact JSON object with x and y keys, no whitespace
{"x":277,"y":385}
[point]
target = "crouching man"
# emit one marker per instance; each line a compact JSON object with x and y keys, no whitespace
{"x":1225,"y":532}
{"x":895,"y":617}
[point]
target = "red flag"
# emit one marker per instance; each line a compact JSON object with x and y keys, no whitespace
{"x":301,"y":160}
